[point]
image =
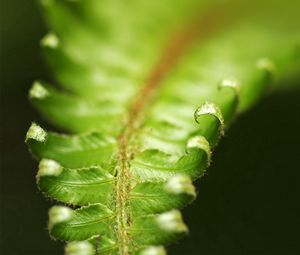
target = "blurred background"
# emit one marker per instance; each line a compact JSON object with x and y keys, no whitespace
{"x":248,"y":203}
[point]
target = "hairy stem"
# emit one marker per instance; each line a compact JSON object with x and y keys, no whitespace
{"x":174,"y":49}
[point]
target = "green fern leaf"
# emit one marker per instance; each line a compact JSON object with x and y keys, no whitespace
{"x":146,"y":89}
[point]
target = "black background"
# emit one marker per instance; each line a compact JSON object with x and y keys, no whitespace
{"x":248,"y":203}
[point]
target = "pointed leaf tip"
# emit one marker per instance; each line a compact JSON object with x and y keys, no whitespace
{"x":35,"y":132}
{"x":38,"y":91}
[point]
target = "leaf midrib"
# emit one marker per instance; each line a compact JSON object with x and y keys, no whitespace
{"x":173,"y":51}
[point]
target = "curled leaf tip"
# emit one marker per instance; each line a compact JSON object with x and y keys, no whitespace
{"x":209,"y":108}
{"x":59,"y":214}
{"x":232,"y":83}
{"x":265,"y":64}
{"x":153,"y":250}
{"x":38,"y":91}
{"x":179,"y":184}
{"x":50,"y":40}
{"x":172,"y":221}
{"x":49,"y":167}
{"x":79,"y":248}
{"x":199,"y":142}
{"x":35,"y":132}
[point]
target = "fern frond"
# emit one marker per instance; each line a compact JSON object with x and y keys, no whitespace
{"x":145,"y":93}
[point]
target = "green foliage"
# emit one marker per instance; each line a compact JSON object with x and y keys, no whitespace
{"x":145,"y":95}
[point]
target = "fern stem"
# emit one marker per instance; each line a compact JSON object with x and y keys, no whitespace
{"x":123,"y":175}
{"x":174,"y":49}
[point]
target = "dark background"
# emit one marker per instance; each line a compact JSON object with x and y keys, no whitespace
{"x":248,"y":203}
